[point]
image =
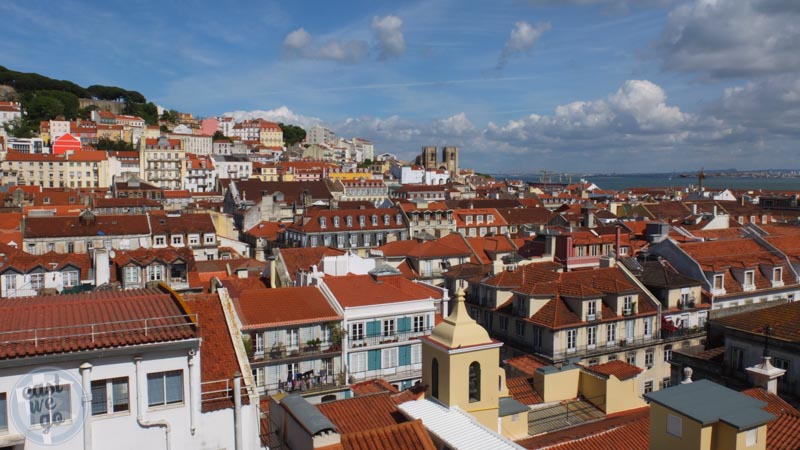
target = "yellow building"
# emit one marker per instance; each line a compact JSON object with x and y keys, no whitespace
{"x":80,"y":169}
{"x":703,"y":415}
{"x":460,"y":364}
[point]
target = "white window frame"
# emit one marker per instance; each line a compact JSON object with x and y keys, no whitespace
{"x":71,"y":278}
{"x":591,"y":337}
{"x":131,"y":274}
{"x":572,"y":340}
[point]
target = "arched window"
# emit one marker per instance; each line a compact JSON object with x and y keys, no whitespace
{"x":474,"y":382}
{"x":336,"y":221}
{"x":374,"y":220}
{"x":435,"y":378}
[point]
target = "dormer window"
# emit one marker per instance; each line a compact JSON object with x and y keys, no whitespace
{"x":469,"y":220}
{"x":399,"y":219}
{"x":489,"y":218}
{"x":749,"y":279}
{"x":777,"y":274}
{"x":374,"y":220}
{"x":627,"y":305}
{"x":719,"y":282}
{"x":387,"y":220}
{"x":349,"y":221}
{"x":479,"y":218}
{"x":591,"y":310}
{"x":362,"y":221}
{"x":323,"y":223}
{"x":336,"y":221}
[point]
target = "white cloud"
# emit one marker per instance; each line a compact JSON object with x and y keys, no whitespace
{"x":522,"y":38}
{"x":281,"y":114}
{"x":389,"y":34}
{"x":300,"y":43}
{"x":732,"y":38}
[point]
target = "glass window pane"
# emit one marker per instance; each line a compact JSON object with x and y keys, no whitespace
{"x":62,"y":404}
{"x":119,"y":389}
{"x":155,"y":389}
{"x":174,"y":386}
{"x":3,"y":412}
{"x":99,"y":399}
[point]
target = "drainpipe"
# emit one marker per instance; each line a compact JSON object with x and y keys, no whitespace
{"x":192,"y":408}
{"x":237,"y":411}
{"x":139,"y":407}
{"x":86,"y":383}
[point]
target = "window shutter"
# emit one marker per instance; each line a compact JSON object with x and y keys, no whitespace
{"x":405,"y":355}
{"x":404,"y":324}
{"x":374,"y":360}
{"x":272,"y":338}
{"x":374,"y":328}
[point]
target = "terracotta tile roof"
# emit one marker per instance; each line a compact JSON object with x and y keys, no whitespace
{"x":404,"y":436}
{"x":522,"y":391}
{"x":619,"y":369}
{"x":783,"y":319}
{"x":310,"y":221}
{"x":783,"y":433}
{"x":253,"y":190}
{"x":81,"y":156}
{"x":146,"y":256}
{"x":267,"y":308}
{"x":486,"y":248}
{"x":376,"y":386}
{"x":526,"y":364}
{"x":461,"y":214}
{"x":125,"y":203}
{"x":266,"y":229}
{"x":368,"y":412}
{"x":111,"y":225}
{"x":631,"y":428}
{"x":399,"y":248}
{"x":183,"y":224}
{"x":219,"y":361}
{"x":526,"y":216}
{"x":303,"y":258}
{"x":363,"y":290}
{"x":63,"y":323}
{"x":236,"y":285}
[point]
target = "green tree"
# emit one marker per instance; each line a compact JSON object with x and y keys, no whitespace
{"x":218,"y":136}
{"x":43,"y":107}
{"x":18,"y":128}
{"x":68,"y":99}
{"x":292,"y":134}
{"x":114,"y":145}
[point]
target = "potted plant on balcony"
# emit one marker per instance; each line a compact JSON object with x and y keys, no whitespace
{"x":248,"y":345}
{"x":337,"y":334}
{"x":313,"y":344}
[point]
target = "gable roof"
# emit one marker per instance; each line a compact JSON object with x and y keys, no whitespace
{"x":365,"y":290}
{"x":266,"y":308}
{"x":362,"y":413}
{"x":405,"y":436}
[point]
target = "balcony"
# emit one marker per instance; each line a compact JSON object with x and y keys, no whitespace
{"x":304,"y":385}
{"x":682,"y":333}
{"x":604,"y":347}
{"x":371,"y":341}
{"x":281,"y":353}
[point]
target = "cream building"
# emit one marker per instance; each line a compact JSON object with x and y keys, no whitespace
{"x":163,"y":162}
{"x":82,"y":169}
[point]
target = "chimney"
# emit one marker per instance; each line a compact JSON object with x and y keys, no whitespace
{"x":765,"y":375}
{"x":618,"y":241}
{"x":694,"y":209}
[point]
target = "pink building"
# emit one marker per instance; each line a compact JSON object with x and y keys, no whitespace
{"x":209,"y":126}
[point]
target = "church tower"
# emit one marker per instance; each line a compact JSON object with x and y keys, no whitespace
{"x":461,"y":366}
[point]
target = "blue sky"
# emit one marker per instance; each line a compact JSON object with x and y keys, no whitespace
{"x":518,"y":85}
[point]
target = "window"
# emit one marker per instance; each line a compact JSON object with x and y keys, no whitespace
{"x":293,"y":337}
{"x":209,"y":239}
{"x":389,"y":356}
{"x":362,"y":221}
{"x":155,"y":272}
{"x":70,"y":278}
{"x":751,"y":437}
{"x":781,"y":363}
{"x":648,"y":386}
{"x":572,"y":339}
{"x":737,"y":358}
{"x":349,"y":221}
{"x":503,"y":323}
{"x":520,"y":327}
{"x":665,"y":383}
{"x":674,"y":425}
{"x":627,"y":305}
{"x":419,"y":324}
{"x":388,"y":327}
{"x":110,"y":396}
{"x":719,"y":282}
{"x":160,"y":240}
{"x":648,"y":357}
{"x":777,"y":274}
{"x":358,"y":362}
{"x":435,"y":378}
{"x":131,"y":274}
{"x":58,"y":409}
{"x":748,"y":278}
{"x":374,"y":220}
{"x":594,"y":362}
{"x":387,"y":220}
{"x":474,"y":382}
{"x":630,"y":358}
{"x":591,"y":310}
{"x":164,"y":388}
{"x":194,"y":239}
{"x":10,"y":282}
{"x":3,"y":412}
{"x":611,"y":333}
{"x":37,"y":280}
{"x":648,"y":326}
{"x":667,"y":353}
{"x":612,"y":358}
{"x":591,"y":336}
{"x":177,"y":240}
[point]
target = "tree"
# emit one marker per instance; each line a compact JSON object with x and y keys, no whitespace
{"x":43,"y":107}
{"x":68,"y":99}
{"x":292,"y":134}
{"x":218,"y":136}
{"x":108,"y":144}
{"x":18,"y":128}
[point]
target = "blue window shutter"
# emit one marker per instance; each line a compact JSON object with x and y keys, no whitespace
{"x":374,"y":360}
{"x":404,"y":324}
{"x":404,"y":357}
{"x":374,"y":328}
{"x":427,"y":321}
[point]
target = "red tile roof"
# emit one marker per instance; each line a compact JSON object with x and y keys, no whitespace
{"x":295,"y":259}
{"x":267,"y":308}
{"x":183,"y":224}
{"x":265,"y":229}
{"x":404,"y":436}
{"x":783,"y":319}
{"x":63,"y":324}
{"x":526,"y":364}
{"x":617,"y":368}
{"x":111,"y":225}
{"x":629,"y":431}
{"x":522,"y":391}
{"x":376,"y":386}
{"x":219,"y":361}
{"x":362,"y":413}
{"x":364,"y":290}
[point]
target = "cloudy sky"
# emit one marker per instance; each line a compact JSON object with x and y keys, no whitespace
{"x":518,"y":85}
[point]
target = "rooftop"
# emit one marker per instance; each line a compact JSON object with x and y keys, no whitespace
{"x":268,"y":308}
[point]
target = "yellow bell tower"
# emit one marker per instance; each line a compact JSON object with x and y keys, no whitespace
{"x":461,"y":366}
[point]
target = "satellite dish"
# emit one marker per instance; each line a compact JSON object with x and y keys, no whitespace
{"x":112,"y":254}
